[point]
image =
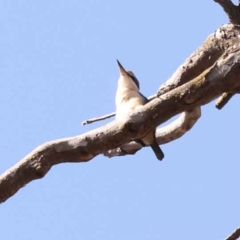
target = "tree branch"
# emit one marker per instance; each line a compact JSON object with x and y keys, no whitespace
{"x":232,"y":11}
{"x":235,"y":235}
{"x":224,"y":76}
{"x":171,"y":132}
{"x":92,"y":120}
{"x":226,"y":38}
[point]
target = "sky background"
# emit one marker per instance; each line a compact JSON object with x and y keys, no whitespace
{"x":58,"y":68}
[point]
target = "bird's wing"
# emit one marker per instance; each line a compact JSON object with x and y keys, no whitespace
{"x":145,"y":99}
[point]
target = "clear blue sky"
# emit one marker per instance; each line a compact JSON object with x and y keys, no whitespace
{"x":58,"y":68}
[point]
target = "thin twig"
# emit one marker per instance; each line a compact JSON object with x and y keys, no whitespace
{"x":223,"y":100}
{"x":225,"y":97}
{"x":91,"y":120}
{"x":96,"y":119}
{"x":165,"y":134}
{"x":199,"y":91}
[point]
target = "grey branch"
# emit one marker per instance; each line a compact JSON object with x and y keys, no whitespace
{"x":224,"y":39}
{"x":200,"y":60}
{"x":203,"y":58}
{"x":224,"y":76}
{"x":92,"y":120}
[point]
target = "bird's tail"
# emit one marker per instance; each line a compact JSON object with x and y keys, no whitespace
{"x":157,"y":150}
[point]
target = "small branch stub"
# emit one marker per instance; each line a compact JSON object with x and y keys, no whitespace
{"x":223,"y":100}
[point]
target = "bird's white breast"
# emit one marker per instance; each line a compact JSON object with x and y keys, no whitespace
{"x":127,"y":100}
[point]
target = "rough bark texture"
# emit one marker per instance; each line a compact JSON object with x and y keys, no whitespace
{"x":222,"y":40}
{"x":212,"y":70}
{"x":166,"y":134}
{"x":223,"y":76}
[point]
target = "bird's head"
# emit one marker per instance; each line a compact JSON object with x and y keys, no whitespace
{"x":128,"y":76}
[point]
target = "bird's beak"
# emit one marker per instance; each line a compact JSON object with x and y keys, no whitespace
{"x":121,"y":68}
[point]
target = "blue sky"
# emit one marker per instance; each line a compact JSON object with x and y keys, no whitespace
{"x":58,"y":68}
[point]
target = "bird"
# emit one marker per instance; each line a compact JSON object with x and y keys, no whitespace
{"x":129,"y":98}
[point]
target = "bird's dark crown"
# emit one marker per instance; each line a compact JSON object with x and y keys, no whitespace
{"x":133,"y":77}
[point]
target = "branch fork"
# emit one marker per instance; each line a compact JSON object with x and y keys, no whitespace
{"x":212,"y":70}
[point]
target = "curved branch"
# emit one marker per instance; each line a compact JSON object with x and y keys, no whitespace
{"x":224,"y":39}
{"x":172,"y":131}
{"x":224,"y":76}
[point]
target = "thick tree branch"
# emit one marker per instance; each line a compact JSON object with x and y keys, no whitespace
{"x":164,"y":135}
{"x":224,"y":39}
{"x":224,"y":76}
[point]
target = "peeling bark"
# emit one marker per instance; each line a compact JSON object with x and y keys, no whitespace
{"x":224,"y":39}
{"x":166,"y":134}
{"x":213,"y":70}
{"x":223,"y":76}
